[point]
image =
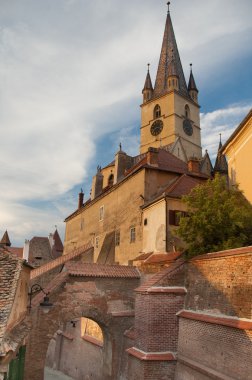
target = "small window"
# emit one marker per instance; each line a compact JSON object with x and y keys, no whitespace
{"x":101,"y":213}
{"x":132,"y":234}
{"x":97,"y":242}
{"x":187,"y":112}
{"x":117,"y":238}
{"x":175,"y":216}
{"x":111,"y":180}
{"x":157,"y":111}
{"x":145,"y":222}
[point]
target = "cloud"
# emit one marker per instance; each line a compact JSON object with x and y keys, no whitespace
{"x":222,"y":121}
{"x":71,"y":75}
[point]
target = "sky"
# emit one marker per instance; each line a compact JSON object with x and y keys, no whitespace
{"x":71,"y":77}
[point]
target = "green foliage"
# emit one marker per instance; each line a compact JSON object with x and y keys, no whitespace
{"x":218,"y":218}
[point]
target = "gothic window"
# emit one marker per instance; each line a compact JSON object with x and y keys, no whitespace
{"x":111,"y":180}
{"x":157,"y":112}
{"x":132,"y":234}
{"x":187,"y":112}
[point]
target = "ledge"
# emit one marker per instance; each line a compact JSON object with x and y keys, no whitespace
{"x":170,"y":289}
{"x":92,"y":340}
{"x":238,"y":323}
{"x":147,"y":356}
{"x":215,"y":375}
{"x":127,"y":313}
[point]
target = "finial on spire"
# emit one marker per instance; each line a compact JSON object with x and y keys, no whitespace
{"x":191,"y":66}
{"x":120,"y":147}
{"x":148,"y":64}
{"x":220,"y":137}
{"x":168,"y":6}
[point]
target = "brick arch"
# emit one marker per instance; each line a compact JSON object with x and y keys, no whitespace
{"x":102,"y":293}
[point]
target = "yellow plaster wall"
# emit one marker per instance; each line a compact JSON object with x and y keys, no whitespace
{"x":121,"y":212}
{"x":154,"y":232}
{"x":238,"y":153}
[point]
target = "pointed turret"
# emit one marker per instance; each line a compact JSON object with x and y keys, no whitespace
{"x":192,"y":88}
{"x":148,"y":89}
{"x":169,"y":63}
{"x":5,"y":241}
{"x":221,"y":165}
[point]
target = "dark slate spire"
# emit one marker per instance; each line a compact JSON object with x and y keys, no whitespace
{"x":148,"y":83}
{"x":221,"y":165}
{"x":191,"y":83}
{"x":169,"y":57}
{"x":5,"y":241}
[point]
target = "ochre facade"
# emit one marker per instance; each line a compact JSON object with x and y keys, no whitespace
{"x":238,"y":150}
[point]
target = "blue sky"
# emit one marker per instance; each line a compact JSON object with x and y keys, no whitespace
{"x":71,"y":75}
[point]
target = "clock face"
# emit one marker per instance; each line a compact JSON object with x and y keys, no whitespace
{"x":187,"y":126}
{"x":156,"y":127}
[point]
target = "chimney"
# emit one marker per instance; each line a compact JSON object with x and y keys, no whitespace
{"x":26,"y":250}
{"x":97,"y":184}
{"x":51,"y":240}
{"x":193,"y":165}
{"x":81,"y":199}
{"x":152,"y":156}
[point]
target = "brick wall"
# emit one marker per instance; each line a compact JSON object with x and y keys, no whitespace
{"x":215,"y":330}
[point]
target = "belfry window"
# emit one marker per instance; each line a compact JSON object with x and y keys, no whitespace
{"x":111,"y":180}
{"x":187,"y":112}
{"x":157,"y":112}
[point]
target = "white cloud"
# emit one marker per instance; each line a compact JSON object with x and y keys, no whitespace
{"x":222,"y":121}
{"x":72,"y":71}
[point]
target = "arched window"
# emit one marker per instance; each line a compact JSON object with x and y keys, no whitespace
{"x":157,"y":112}
{"x":111,"y":180}
{"x":187,"y":112}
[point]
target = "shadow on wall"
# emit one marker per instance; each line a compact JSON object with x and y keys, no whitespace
{"x":77,"y":350}
{"x":213,"y":340}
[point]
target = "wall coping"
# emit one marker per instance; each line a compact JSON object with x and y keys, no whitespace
{"x":168,"y":289}
{"x":147,"y":356}
{"x":221,"y":254}
{"x":235,"y":322}
{"x":215,"y":375}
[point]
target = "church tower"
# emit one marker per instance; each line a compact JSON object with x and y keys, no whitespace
{"x":170,"y":110}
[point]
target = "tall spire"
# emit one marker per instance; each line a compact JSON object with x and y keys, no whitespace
{"x":169,"y":57}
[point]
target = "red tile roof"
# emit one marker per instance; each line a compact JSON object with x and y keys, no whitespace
{"x":182,"y":186}
{"x":98,"y":270}
{"x":162,"y":257}
{"x":16,"y":251}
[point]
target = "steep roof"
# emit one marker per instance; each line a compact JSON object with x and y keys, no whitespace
{"x":169,"y":62}
{"x":10,"y":269}
{"x":191,"y":83}
{"x":58,"y":246}
{"x":148,"y":83}
{"x":221,"y":165}
{"x":5,"y":241}
{"x":182,"y":186}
